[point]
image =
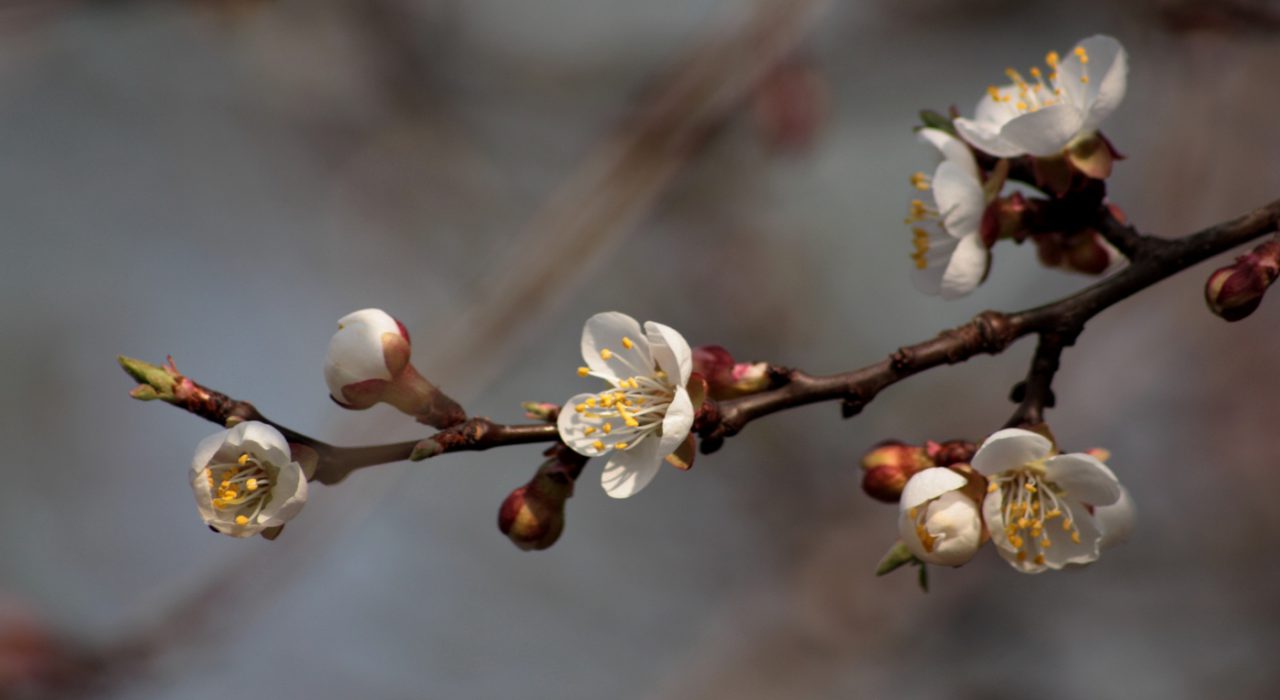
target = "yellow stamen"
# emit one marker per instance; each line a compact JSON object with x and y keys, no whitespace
{"x":620,"y":446}
{"x":1051,"y":58}
{"x":1066,"y":524}
{"x":1030,"y":487}
{"x":1082,"y":54}
{"x":1075,"y":537}
{"x":598,"y":445}
{"x":251,"y":484}
{"x":994,"y":93}
{"x":242,"y":520}
{"x":626,"y":343}
{"x":1022,"y":556}
{"x":1045,"y":543}
{"x":1084,"y":79}
{"x":580,"y":408}
{"x":606,"y":354}
{"x":1039,"y":560}
{"x":993,"y":487}
{"x":244,"y":459}
{"x":584,"y":371}
{"x":607,"y":428}
{"x":588,"y":431}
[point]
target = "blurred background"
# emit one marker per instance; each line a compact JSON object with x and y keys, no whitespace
{"x":221,"y":180}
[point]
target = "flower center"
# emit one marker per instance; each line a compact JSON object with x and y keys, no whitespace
{"x":1030,"y":505}
{"x":1027,"y":96}
{"x":240,"y":488}
{"x":631,"y":410}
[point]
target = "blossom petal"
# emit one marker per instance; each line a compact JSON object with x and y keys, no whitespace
{"x":605,"y":331}
{"x":288,"y":495}
{"x":993,"y":515}
{"x":928,"y":484}
{"x":1084,"y":478}
{"x":952,"y":520}
{"x":671,"y":351}
{"x":1064,"y":550}
{"x":1046,"y":131}
{"x":205,"y":450}
{"x":1009,"y":449}
{"x":676,"y":423}
{"x":966,"y":268}
{"x":928,"y":279}
{"x":953,"y":150}
{"x":1108,"y":71}
{"x":573,"y":426}
{"x":629,"y":471}
{"x":960,"y":199}
{"x":986,"y":137}
{"x":261,"y":440}
{"x":356,"y":352}
{"x":1116,"y":521}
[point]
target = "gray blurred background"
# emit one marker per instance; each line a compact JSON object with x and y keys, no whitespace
{"x":221,"y":181}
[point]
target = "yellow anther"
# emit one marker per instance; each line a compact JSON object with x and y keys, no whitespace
{"x":244,"y":459}
{"x":1023,"y":523}
{"x":1084,"y":79}
{"x":660,"y":374}
{"x":1055,"y":513}
{"x":1075,"y":537}
{"x":228,"y":495}
{"x":620,"y":446}
{"x":1029,"y":486}
{"x":580,"y":408}
{"x":626,"y":343}
{"x":994,"y":93}
{"x":921,"y":263}
{"x":219,"y":503}
{"x":920,"y":181}
{"x":251,"y":484}
{"x":1039,"y":560}
{"x":1022,"y":556}
{"x":1045,"y":543}
{"x":588,"y":430}
{"x":242,"y":520}
{"x":1051,"y":59}
{"x":925,"y":538}
{"x":1022,"y":106}
{"x":590,"y":402}
{"x":1035,"y":72}
{"x":584,"y":371}
{"x":1016,"y":541}
{"x":1066,"y":524}
{"x":606,"y":354}
{"x":1082,"y":54}
{"x":993,"y":487}
{"x":598,"y":445}
{"x":913,"y":513}
{"x":607,"y":428}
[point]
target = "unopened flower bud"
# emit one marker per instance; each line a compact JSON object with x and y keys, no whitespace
{"x":532,"y":516}
{"x":937,"y":522}
{"x":1086,"y":252}
{"x":945,"y":454}
{"x":889,"y":466}
{"x":1233,"y":292}
{"x":368,"y":363}
{"x":726,"y":378}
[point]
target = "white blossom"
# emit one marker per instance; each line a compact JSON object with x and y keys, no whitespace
{"x":1045,"y":114}
{"x":246,"y":481}
{"x":646,"y":412}
{"x":1037,"y":503}
{"x":368,"y":350}
{"x":950,"y":256}
{"x":936,"y":521}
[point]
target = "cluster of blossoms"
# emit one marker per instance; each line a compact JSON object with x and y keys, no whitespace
{"x":1042,"y":510}
{"x":1042,"y":131}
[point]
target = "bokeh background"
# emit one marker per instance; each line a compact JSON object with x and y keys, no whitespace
{"x":222,"y":180}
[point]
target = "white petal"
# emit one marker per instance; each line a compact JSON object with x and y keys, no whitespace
{"x":203,"y":491}
{"x":965,"y":269}
{"x":1045,"y":132}
{"x":1009,"y":449}
{"x":994,"y":517}
{"x":987,"y":138}
{"x":1064,"y":551}
{"x":1116,"y":521}
{"x":928,"y":279}
{"x":928,"y":484}
{"x":605,"y":331}
{"x":628,"y":471}
{"x":572,"y":426}
{"x":288,"y":495}
{"x":676,"y":423}
{"x":671,"y":351}
{"x":1084,"y":478}
{"x":260,"y":440}
{"x":205,"y":451}
{"x":952,"y":520}
{"x":960,"y":199}
{"x":355,"y":351}
{"x":1108,"y":71}
{"x":952,"y":149}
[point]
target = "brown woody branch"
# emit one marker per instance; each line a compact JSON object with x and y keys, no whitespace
{"x":991,"y":332}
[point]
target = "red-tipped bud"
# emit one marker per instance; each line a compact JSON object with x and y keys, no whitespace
{"x":1233,"y":292}
{"x":889,"y":466}
{"x":1003,"y":218}
{"x":726,"y":378}
{"x":945,"y":454}
{"x":532,"y":516}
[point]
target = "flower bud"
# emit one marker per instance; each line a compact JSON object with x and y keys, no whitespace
{"x":368,"y":363}
{"x":532,"y":516}
{"x":945,"y":454}
{"x":937,"y":522}
{"x":1233,"y":292}
{"x":726,"y":378}
{"x":1093,"y":155}
{"x":1086,"y":252}
{"x":889,"y":466}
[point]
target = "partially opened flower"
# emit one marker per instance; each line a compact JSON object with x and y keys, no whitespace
{"x":937,"y":522}
{"x":646,"y":412}
{"x":950,"y":256}
{"x":1045,"y":114}
{"x":368,"y":363}
{"x":1037,"y":503}
{"x":245,"y":480}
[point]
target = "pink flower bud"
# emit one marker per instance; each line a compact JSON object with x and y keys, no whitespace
{"x":1233,"y":292}
{"x":889,"y":466}
{"x":532,"y":516}
{"x":945,"y":454}
{"x":726,"y":378}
